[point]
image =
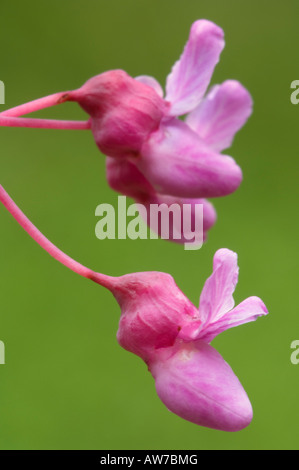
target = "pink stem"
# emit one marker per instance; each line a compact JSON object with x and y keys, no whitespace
{"x":105,"y":281}
{"x":36,"y":105}
{"x":43,"y":123}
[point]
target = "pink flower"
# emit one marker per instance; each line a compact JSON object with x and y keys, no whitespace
{"x":139,"y":129}
{"x":172,"y":336}
{"x":165,"y":156}
{"x":130,"y":119}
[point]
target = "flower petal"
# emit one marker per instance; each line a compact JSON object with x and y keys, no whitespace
{"x":217,"y":295}
{"x":152,"y":82}
{"x":125,"y":178}
{"x":195,"y":382}
{"x":191,"y":74}
{"x":176,"y":162}
{"x":221,"y":114}
{"x":247,"y":311}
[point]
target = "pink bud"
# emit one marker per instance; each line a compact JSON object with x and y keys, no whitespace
{"x":123,"y":111}
{"x":153,"y":312}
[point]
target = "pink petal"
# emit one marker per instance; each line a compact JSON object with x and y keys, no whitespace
{"x":217,"y":295}
{"x":247,"y":311}
{"x":176,"y":162}
{"x":195,"y":382}
{"x":191,"y":74}
{"x":221,"y":114}
{"x":152,"y":82}
{"x":209,"y":215}
{"x":124,"y":177}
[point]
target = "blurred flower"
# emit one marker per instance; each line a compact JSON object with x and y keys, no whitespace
{"x":160,"y":324}
{"x":134,"y":125}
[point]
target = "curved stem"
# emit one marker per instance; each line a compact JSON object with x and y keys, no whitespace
{"x":105,"y":281}
{"x":43,"y":123}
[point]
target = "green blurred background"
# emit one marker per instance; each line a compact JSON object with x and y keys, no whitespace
{"x":67,"y":384}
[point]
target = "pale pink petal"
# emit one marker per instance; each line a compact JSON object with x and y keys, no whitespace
{"x":221,"y":114}
{"x":217,"y":295}
{"x":191,"y":74}
{"x":194,"y":382}
{"x":176,"y":162}
{"x":216,"y":312}
{"x":152,"y":82}
{"x":247,"y":311}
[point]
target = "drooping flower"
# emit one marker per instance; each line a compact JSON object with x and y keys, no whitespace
{"x":136,"y":126}
{"x":172,"y":336}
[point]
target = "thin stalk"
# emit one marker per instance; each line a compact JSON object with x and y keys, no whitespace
{"x":36,"y":105}
{"x":43,"y":123}
{"x":105,"y":281}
